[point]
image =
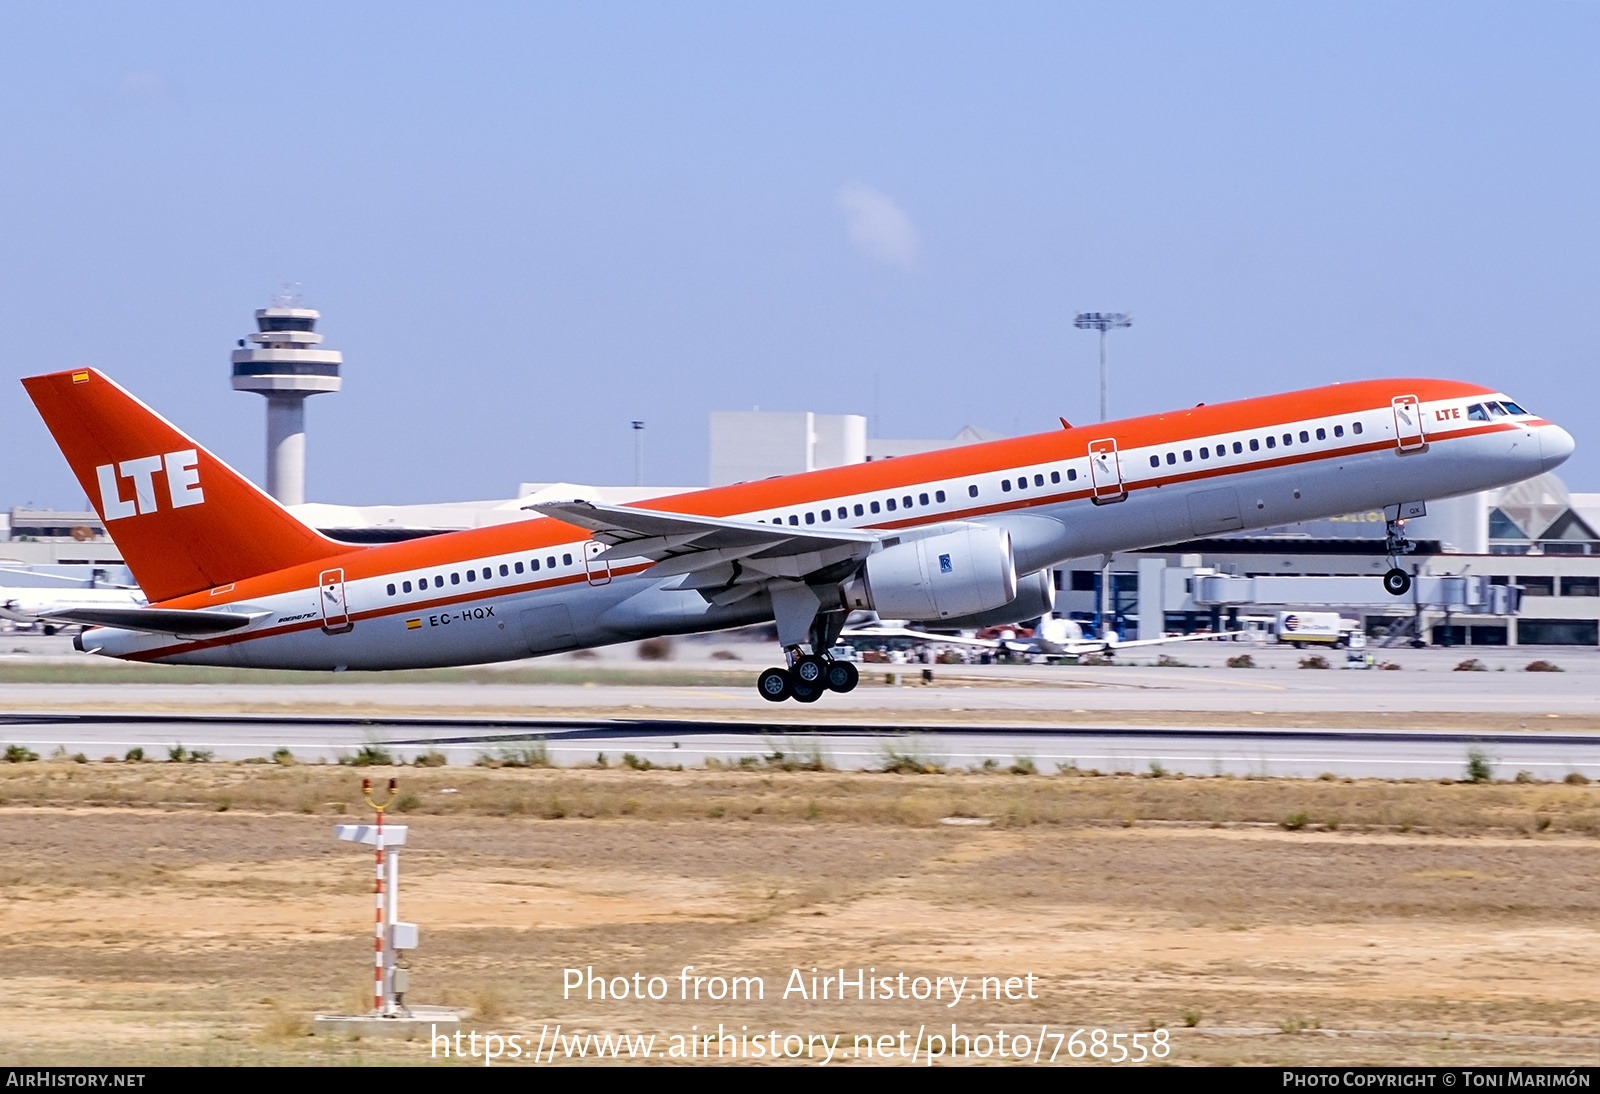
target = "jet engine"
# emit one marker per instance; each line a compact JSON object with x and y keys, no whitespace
{"x":958,"y":573}
{"x":1036,"y":596}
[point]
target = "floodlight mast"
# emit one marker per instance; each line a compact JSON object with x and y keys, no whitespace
{"x":1103,"y":321}
{"x":638,"y":453}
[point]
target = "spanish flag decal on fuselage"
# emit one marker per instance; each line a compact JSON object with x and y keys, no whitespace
{"x":413,"y":624}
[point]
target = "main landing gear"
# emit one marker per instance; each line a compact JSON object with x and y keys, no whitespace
{"x":1396,"y":582}
{"x":806,"y":678}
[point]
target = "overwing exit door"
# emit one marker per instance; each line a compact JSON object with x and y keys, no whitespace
{"x":335,"y":612}
{"x":1105,"y":472}
{"x":599,"y":569}
{"x":1408,"y":424}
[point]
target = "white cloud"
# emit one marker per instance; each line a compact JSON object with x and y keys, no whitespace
{"x":877,"y":227}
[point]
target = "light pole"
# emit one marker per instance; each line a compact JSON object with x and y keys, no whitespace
{"x":1103,"y":321}
{"x":638,"y":453}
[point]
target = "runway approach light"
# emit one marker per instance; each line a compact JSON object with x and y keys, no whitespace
{"x":285,"y":365}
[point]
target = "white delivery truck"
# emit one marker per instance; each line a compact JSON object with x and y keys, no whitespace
{"x":1301,"y":629}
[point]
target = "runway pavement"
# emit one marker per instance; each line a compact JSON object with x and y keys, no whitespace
{"x":663,"y":741}
{"x":1196,"y":716}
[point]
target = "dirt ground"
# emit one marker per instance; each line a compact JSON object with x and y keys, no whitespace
{"x":167,"y":913}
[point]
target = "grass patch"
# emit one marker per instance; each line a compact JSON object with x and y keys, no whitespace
{"x":1243,"y":661}
{"x":1478,"y":766}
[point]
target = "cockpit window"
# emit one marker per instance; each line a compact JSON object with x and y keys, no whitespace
{"x":1512,"y":408}
{"x":1495,"y":410}
{"x":1476,"y":413}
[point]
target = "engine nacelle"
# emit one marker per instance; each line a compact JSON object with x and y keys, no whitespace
{"x":956,"y":574}
{"x":1036,"y":596}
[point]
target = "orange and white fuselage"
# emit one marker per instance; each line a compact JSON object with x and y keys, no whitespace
{"x":991,"y":519}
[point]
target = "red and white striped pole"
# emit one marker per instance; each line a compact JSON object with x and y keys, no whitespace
{"x":379,"y":999}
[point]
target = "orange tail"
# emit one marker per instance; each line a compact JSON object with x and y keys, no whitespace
{"x":184,"y":520}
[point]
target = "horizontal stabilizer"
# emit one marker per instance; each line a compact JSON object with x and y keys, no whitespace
{"x":155,"y":620}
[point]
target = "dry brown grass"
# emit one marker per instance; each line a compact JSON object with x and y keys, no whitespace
{"x":141,"y":925}
{"x":764,"y":792}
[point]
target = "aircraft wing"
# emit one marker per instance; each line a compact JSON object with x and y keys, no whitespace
{"x":184,"y":621}
{"x":919,"y":636}
{"x":682,"y":543}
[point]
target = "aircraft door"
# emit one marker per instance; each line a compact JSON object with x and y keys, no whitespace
{"x":1408,"y":424}
{"x":599,"y":568}
{"x":335,"y":611}
{"x":1105,"y":472}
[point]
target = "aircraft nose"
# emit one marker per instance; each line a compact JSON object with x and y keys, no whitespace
{"x":1555,"y":445}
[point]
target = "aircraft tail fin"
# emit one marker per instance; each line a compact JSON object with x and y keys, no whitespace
{"x":184,"y":520}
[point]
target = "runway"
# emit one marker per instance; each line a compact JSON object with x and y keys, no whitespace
{"x":1200,"y":750}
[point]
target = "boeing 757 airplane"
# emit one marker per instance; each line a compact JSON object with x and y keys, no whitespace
{"x":959,"y":537}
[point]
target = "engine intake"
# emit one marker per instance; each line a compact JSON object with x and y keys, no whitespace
{"x":955,"y":574}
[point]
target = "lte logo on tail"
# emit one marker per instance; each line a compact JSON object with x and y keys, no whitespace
{"x":183,"y":483}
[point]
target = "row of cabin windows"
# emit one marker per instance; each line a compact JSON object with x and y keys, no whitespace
{"x":1038,"y":480}
{"x":843,"y":511}
{"x":908,"y":502}
{"x":488,"y":574}
{"x":1255,"y":444}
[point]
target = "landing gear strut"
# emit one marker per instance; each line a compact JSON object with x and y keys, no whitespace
{"x":1396,"y":582}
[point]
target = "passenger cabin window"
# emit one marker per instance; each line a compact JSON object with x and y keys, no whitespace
{"x":1305,"y":438}
{"x":488,"y":573}
{"x":1038,"y":480}
{"x":551,"y":562}
{"x":827,"y":514}
{"x":566,"y":560}
{"x":1072,"y":474}
{"x":890,"y":504}
{"x":972,"y":490}
{"x":1155,"y":461}
{"x":518,"y":567}
{"x":1355,"y":427}
{"x":1188,"y":455}
{"x":1005,"y":484}
{"x":1205,"y":453}
{"x":1338,"y":431}
{"x":922,"y":499}
{"x":874,"y":507}
{"x":455,"y":579}
{"x":906,"y":501}
{"x":811,"y":518}
{"x":843,"y":512}
{"x":860,"y":511}
{"x":504,"y":572}
{"x":1272,"y":442}
{"x":391,"y":590}
{"x":472,"y":575}
{"x":1238,"y":447}
{"x":1288,"y":439}
{"x":405,"y":586}
{"x":1172,"y":457}
{"x":1055,"y":476}
{"x":533,"y":564}
{"x":793,"y":519}
{"x":938,"y":496}
{"x":1322,"y":434}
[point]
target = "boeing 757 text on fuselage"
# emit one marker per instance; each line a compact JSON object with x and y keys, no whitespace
{"x":960,"y":537}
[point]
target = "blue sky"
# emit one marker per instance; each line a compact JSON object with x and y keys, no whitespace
{"x":528,"y":224}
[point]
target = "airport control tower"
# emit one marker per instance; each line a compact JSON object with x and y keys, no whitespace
{"x":285,"y":365}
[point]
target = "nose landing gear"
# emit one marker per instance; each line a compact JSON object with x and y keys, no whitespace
{"x":1396,"y":582}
